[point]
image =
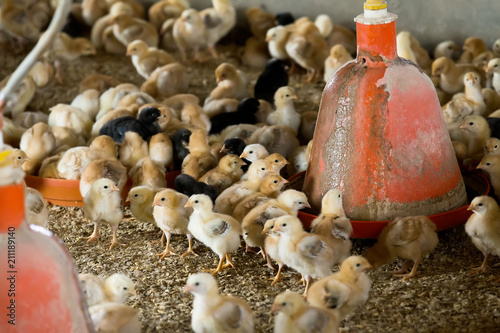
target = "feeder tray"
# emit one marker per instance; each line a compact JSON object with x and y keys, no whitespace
{"x":64,"y":192}
{"x":475,"y":182}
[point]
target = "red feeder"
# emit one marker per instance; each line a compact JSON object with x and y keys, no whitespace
{"x":380,"y":135}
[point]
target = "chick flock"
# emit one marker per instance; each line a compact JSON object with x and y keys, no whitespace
{"x":232,"y":150}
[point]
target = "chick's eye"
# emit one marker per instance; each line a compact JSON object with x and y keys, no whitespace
{"x":19,"y":157}
{"x":196,"y":201}
{"x":250,"y":152}
{"x":283,"y":304}
{"x":197,"y":284}
{"x":276,"y":182}
{"x":275,"y":161}
{"x":480,"y":204}
{"x":136,"y":195}
{"x":488,"y":163}
{"x":287,"y":95}
{"x":471,"y":123}
{"x":105,"y":186}
{"x":263,"y":169}
{"x":358,"y":264}
{"x":284,"y":225}
{"x":124,"y":288}
{"x":162,"y":199}
{"x":339,"y":195}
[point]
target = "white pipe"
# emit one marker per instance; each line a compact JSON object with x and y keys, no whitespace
{"x":57,"y":23}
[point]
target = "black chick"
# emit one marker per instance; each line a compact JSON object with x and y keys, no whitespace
{"x":285,"y":18}
{"x":180,"y":143}
{"x":494,"y":124}
{"x":244,"y":114}
{"x":188,"y":185}
{"x":271,"y":79}
{"x":235,"y":146}
{"x":74,"y":27}
{"x":146,"y":125}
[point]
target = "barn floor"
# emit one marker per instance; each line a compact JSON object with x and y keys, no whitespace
{"x":441,"y":299}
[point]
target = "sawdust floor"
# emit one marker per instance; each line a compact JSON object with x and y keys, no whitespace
{"x":441,"y":299}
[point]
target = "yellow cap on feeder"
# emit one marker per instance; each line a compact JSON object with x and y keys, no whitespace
{"x":375,"y":4}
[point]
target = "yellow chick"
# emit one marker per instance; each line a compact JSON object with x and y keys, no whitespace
{"x":271,"y":245}
{"x":167,"y":81}
{"x":161,"y":150}
{"x":494,"y":67}
{"x":337,"y":58}
{"x":269,"y":189}
{"x":334,"y":225}
{"x":48,"y":169}
{"x":470,"y":103}
{"x":163,"y":10}
{"x":219,"y":21}
{"x":473,"y":47}
{"x":72,"y":162}
{"x":343,"y":291}
{"x":254,"y":152}
{"x":451,"y":75}
{"x":287,"y":203}
{"x":233,"y":195}
{"x":92,"y":10}
{"x":35,"y":207}
{"x":200,"y":159}
{"x":68,"y":116}
{"x":132,"y":149}
{"x":104,"y":204}
{"x":172,"y":217}
{"x":491,"y":165}
{"x":38,"y":143}
{"x":167,"y":41}
{"x":115,"y":317}
{"x":447,"y":49}
{"x":260,"y":22}
{"x":189,"y":33}
{"x":146,"y":59}
{"x":127,"y":28}
{"x":21,"y":97}
{"x":298,"y":161}
{"x":308,"y":254}
{"x":103,"y":168}
{"x":277,"y":38}
{"x":476,"y":131}
{"x":102,"y":31}
{"x":227,"y":172}
{"x":118,"y":288}
{"x":221,"y":233}
{"x":285,"y":113}
{"x":308,"y":48}
{"x":483,"y":227}
{"x":88,"y":102}
{"x":409,"y":238}
{"x":296,"y":316}
{"x":141,"y":201}
{"x":496,"y":47}
{"x":231,"y":83}
{"x":194,"y":115}
{"x":146,"y":172}
{"x":18,"y":157}
{"x":403,"y":41}
{"x":92,"y":287}
{"x":213,"y":312}
{"x":12,"y":133}
{"x":492,"y":146}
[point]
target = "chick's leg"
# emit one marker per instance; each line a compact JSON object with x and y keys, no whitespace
{"x":277,"y":278}
{"x":161,"y":240}
{"x":190,"y":249}
{"x":268,"y":262}
{"x":58,"y":76}
{"x":168,"y":249}
{"x":228,"y":262}
{"x":263,"y":253}
{"x":213,"y":52}
{"x":413,"y":271}
{"x":308,"y":282}
{"x":95,"y":235}
{"x":219,"y":267}
{"x":483,"y":268}
{"x":114,"y":241}
{"x":301,"y":281}
{"x":403,"y":269}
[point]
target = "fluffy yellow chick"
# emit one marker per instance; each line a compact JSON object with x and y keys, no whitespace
{"x":221,"y":233}
{"x":92,"y":287}
{"x":200,"y":159}
{"x":483,"y":227}
{"x":476,"y":131}
{"x":308,"y":254}
{"x":218,"y":20}
{"x":277,"y":38}
{"x":38,"y":143}
{"x":337,"y":58}
{"x":227,"y":172}
{"x":118,"y":287}
{"x":287,"y":203}
{"x":308,"y":48}
{"x":298,"y":161}
{"x":254,"y":152}
{"x":473,"y":47}
{"x":146,"y":59}
{"x":334,"y":225}
{"x":231,"y":83}
{"x":115,"y":317}
{"x":146,"y":172}
{"x":141,"y":201}
{"x":285,"y":113}
{"x":213,"y":312}
{"x":103,"y":168}
{"x":163,"y":10}
{"x":103,"y":203}
{"x":194,"y":115}
{"x":494,"y":67}
{"x":102,"y":31}
{"x":189,"y":33}
{"x":492,"y":146}
{"x":18,"y":157}
{"x":132,"y":149}
{"x":260,"y":22}
{"x":491,"y":165}
{"x":233,"y":195}
{"x":472,"y":102}
{"x":127,"y":29}
{"x":409,"y":238}
{"x":271,"y":245}
{"x":172,"y":217}
{"x":68,"y":116}
{"x":72,"y":162}
{"x":161,"y":150}
{"x":88,"y":102}
{"x":167,"y":41}
{"x":167,"y":81}
{"x":296,"y":316}
{"x":92,"y":10}
{"x":343,"y":291}
{"x":21,"y":97}
{"x":403,"y":41}
{"x":452,"y":75}
{"x":67,"y":137}
{"x":35,"y":207}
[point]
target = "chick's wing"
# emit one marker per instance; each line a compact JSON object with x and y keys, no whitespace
{"x":311,"y":246}
{"x":217,"y":227}
{"x":312,"y":321}
{"x":229,"y":316}
{"x":404,"y":231}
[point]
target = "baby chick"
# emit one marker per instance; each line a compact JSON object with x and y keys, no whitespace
{"x":133,"y":149}
{"x":309,"y":254}
{"x":213,"y":312}
{"x":118,"y":287}
{"x":172,"y":217}
{"x":104,"y":204}
{"x":280,"y":139}
{"x":115,"y":317}
{"x":409,"y":238}
{"x":285,"y":113}
{"x":483,"y":227}
{"x":145,"y":126}
{"x":35,"y":207}
{"x":296,"y":316}
{"x":147,"y":172}
{"x":446,"y":49}
{"x":277,"y":38}
{"x":343,"y":291}
{"x":189,"y":33}
{"x":491,"y":164}
{"x":146,"y":59}
{"x":167,"y":81}
{"x":93,"y":288}
{"x":473,"y":47}
{"x":18,"y":157}
{"x":127,"y":28}
{"x":271,"y":245}
{"x":88,"y":102}
{"x":334,"y":225}
{"x":103,"y":168}
{"x":218,"y":20}
{"x":141,"y":200}
{"x":254,"y":54}
{"x":494,"y":67}
{"x":492,"y":146}
{"x":38,"y":143}
{"x":68,"y":116}
{"x":161,"y":150}
{"x":225,"y":174}
{"x":231,"y":83}
{"x":200,"y":159}
{"x":254,"y":152}
{"x":163,"y":10}
{"x":218,"y":231}
{"x":188,"y":185}
{"x":271,"y":79}
{"x":452,"y":76}
{"x":472,"y":102}
{"x":476,"y":131}
{"x":337,"y":58}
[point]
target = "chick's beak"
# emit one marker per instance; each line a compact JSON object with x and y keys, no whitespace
{"x":187,"y":289}
{"x":188,"y":204}
{"x":268,"y":39}
{"x":462,"y":126}
{"x":284,"y":181}
{"x":368,"y":267}
{"x":275,"y":308}
{"x":307,"y":205}
{"x":244,"y":155}
{"x":242,"y":163}
{"x":155,"y":203}
{"x":471,"y":207}
{"x":223,"y":149}
{"x":294,"y":97}
{"x":114,"y":189}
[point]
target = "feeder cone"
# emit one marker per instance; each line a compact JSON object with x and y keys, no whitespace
{"x":380,"y":136}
